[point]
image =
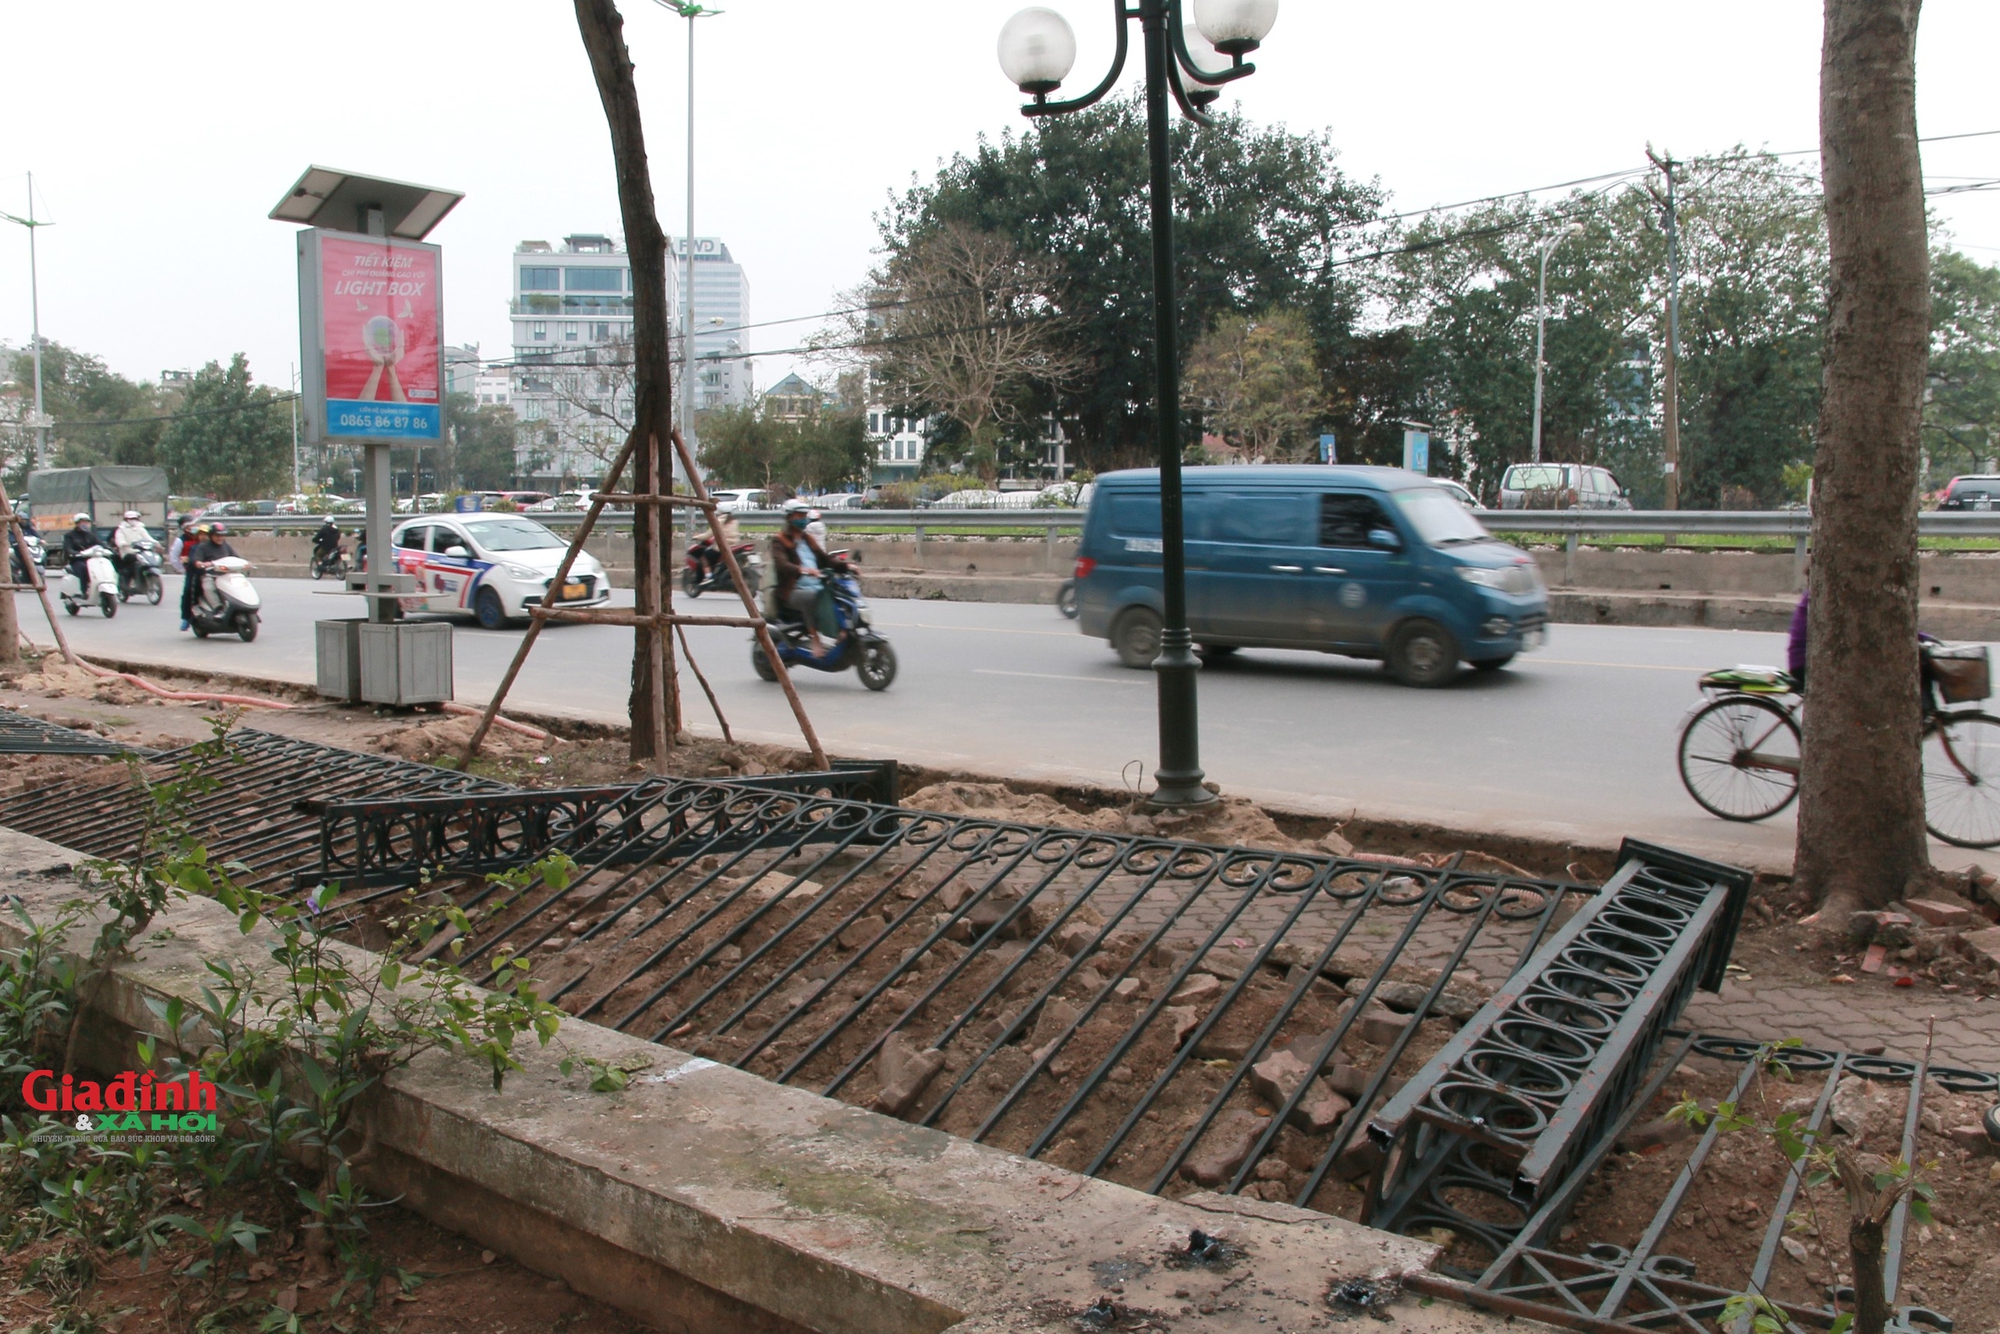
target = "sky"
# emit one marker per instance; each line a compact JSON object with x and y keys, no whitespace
{"x":161,"y":136}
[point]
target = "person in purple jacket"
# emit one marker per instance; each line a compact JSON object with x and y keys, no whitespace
{"x":1795,"y":646}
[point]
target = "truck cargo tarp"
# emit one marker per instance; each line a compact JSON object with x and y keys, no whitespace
{"x":56,"y":488}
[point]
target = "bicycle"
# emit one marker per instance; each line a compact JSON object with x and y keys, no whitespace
{"x":1739,"y":751}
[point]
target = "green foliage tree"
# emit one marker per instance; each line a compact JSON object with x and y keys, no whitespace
{"x":231,"y":438}
{"x":1962,"y":409}
{"x":1753,"y":258}
{"x":747,"y":447}
{"x":100,"y":416}
{"x":483,"y":443}
{"x":1255,"y":383}
{"x":740,"y":446}
{"x":1264,"y":216}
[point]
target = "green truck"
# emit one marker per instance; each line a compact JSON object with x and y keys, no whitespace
{"x":57,"y":495}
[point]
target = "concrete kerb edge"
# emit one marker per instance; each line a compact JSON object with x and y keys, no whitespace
{"x":826,"y":1216}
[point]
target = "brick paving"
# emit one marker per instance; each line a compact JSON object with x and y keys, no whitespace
{"x":1853,"y":1017}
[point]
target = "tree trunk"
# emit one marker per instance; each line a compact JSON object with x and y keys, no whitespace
{"x":603,"y":30}
{"x":1864,"y":1251}
{"x":1861,"y":807}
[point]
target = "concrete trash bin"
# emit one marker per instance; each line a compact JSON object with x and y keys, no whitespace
{"x":337,"y":654}
{"x":406,"y":663}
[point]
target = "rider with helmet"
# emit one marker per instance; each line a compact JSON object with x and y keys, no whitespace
{"x":80,"y":538}
{"x":126,"y":539}
{"x":802,"y":565}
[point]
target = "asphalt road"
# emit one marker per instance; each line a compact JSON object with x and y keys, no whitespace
{"x":1574,"y":742}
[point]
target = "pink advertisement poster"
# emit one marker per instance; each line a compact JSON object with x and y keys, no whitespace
{"x":379,"y":330}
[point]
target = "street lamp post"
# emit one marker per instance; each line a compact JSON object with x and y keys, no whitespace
{"x":1037,"y":52}
{"x":42,"y":421}
{"x":690,"y":11}
{"x":1541,"y":321}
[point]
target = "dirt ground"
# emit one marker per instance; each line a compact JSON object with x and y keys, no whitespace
{"x":431,"y":1282}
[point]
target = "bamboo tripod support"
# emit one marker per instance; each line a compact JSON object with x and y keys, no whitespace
{"x":17,"y":540}
{"x":659,"y":613}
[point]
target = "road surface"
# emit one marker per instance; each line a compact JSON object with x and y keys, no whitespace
{"x":1575,"y":742}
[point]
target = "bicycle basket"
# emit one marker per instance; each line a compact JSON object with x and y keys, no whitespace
{"x":1962,"y":671}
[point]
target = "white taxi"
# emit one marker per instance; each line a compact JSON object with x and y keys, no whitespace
{"x":492,"y":567}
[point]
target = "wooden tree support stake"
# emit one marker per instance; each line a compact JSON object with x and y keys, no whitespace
{"x":19,"y":542}
{"x":664,"y":621}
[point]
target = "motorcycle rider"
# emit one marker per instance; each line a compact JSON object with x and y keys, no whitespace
{"x":125,"y":539}
{"x":802,"y":566}
{"x":213,"y":546}
{"x":326,"y":541}
{"x":79,"y":539}
{"x":183,"y":542}
{"x":711,"y":550}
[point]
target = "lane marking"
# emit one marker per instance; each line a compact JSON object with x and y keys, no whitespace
{"x":1056,"y":676}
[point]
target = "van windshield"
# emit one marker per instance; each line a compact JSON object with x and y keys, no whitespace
{"x":1439,"y":520}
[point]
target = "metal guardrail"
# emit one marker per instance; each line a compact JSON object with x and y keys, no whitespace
{"x":1794,"y":524}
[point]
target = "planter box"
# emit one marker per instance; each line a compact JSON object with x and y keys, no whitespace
{"x":337,"y":654}
{"x":406,"y":663}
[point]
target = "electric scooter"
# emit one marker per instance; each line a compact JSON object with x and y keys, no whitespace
{"x":95,"y":577}
{"x":697,"y":577}
{"x":856,"y":644}
{"x":227,"y":601}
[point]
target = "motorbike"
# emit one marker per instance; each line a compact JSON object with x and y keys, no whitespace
{"x":332,"y":563}
{"x":227,"y":602}
{"x":856,"y":645}
{"x":697,"y":577}
{"x":95,"y":581}
{"x":36,"y":553}
{"x":139,"y":573}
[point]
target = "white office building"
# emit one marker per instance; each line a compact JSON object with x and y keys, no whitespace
{"x":721,"y":295}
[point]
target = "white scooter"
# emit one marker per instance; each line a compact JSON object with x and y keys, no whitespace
{"x":227,"y":601}
{"x":91,"y":576}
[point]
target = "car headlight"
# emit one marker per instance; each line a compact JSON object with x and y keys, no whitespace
{"x":1484,"y":578}
{"x":523,"y":572}
{"x":1516,"y":579}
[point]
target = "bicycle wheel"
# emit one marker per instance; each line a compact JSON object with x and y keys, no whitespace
{"x":1740,"y":758}
{"x":1962,"y":779}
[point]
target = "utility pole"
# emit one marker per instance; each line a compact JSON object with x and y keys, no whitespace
{"x":690,"y":11}
{"x":1671,"y":429}
{"x":35,"y":315}
{"x":1541,"y":327}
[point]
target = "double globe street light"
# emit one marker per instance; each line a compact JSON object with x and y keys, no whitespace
{"x":1037,"y":52}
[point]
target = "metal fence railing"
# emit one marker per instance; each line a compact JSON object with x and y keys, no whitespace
{"x":1795,"y":524}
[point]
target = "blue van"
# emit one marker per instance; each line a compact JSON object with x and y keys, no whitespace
{"x":1365,"y":562}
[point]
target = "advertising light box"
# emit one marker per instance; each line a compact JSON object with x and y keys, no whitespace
{"x":372,"y":315}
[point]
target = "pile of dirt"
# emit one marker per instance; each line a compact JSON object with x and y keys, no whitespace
{"x":445,"y":739}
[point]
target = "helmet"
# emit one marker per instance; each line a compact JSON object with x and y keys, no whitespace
{"x":80,"y":518}
{"x":796,"y":506}
{"x":131,"y":514}
{"x":220,"y":527}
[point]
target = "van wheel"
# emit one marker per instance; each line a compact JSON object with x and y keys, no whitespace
{"x":1492,"y":664}
{"x":1136,"y":637}
{"x":1423,"y":654}
{"x":1214,"y":655}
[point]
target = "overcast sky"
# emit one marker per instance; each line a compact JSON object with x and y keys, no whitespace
{"x":161,"y":135}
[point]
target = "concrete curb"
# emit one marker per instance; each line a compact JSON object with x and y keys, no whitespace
{"x":701,"y":1197}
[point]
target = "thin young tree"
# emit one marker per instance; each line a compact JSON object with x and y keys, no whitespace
{"x":1861,"y":803}
{"x":603,"y":30}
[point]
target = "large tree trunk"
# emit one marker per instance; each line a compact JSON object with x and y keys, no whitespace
{"x":1861,"y":808}
{"x":603,"y":30}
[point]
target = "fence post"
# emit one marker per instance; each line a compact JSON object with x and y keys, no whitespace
{"x":1569,"y":558}
{"x":920,"y":544}
{"x":1799,"y":562}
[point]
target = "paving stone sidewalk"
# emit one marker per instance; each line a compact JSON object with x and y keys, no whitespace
{"x":1854,"y":1017}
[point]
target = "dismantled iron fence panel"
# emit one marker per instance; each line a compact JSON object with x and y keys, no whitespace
{"x":248,"y":815}
{"x":1117,"y":1004}
{"x":1524,"y":1089}
{"x":22,"y":735}
{"x":1597,"y":1286}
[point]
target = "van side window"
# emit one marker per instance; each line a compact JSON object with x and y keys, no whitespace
{"x":1346,"y":518}
{"x":1257,"y":519}
{"x":1135,"y":516}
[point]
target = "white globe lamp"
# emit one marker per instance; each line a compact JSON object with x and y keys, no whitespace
{"x":1037,"y":50}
